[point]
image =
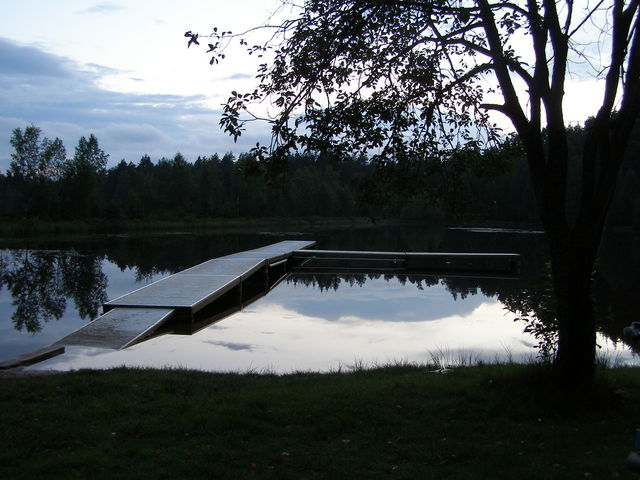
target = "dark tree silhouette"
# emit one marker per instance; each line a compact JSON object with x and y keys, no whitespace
{"x":414,"y":80}
{"x":82,"y":178}
{"x":34,"y":158}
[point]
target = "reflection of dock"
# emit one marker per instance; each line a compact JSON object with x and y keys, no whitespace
{"x":192,"y":299}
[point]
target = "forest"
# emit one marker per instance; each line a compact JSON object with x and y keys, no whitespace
{"x":489,"y":187}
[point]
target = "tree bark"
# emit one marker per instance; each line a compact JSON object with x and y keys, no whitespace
{"x":573,"y":249}
{"x":572,"y":265}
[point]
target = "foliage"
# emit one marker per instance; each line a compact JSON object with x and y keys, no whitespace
{"x":536,"y":307}
{"x":88,"y":157}
{"x":210,"y":187}
{"x":490,"y":185}
{"x":82,"y":180}
{"x":411,"y":80}
{"x":375,"y":83}
{"x":35,"y":166}
{"x":34,"y":158}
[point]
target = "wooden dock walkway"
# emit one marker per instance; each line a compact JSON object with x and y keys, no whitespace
{"x":190,"y":290}
{"x":136,"y":316}
{"x":207,"y":292}
{"x":118,"y":328}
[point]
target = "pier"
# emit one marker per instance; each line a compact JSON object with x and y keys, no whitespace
{"x":194,"y":298}
{"x":430,"y":263}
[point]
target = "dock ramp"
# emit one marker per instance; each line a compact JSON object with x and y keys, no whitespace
{"x":204,"y":292}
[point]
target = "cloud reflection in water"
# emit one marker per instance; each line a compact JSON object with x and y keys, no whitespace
{"x":300,"y":328}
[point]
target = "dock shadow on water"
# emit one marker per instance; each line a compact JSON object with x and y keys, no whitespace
{"x":314,"y":321}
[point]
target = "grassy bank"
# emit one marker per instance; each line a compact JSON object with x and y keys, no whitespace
{"x":481,"y":422}
{"x":24,"y":228}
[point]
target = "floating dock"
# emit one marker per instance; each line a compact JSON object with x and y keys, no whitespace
{"x":180,"y":303}
{"x":196,"y":297}
{"x":184,"y":295}
{"x":431,"y":263}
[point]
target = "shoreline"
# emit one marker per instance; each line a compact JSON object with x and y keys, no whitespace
{"x":28,"y":228}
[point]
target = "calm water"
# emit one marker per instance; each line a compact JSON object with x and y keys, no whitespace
{"x":51,"y":288}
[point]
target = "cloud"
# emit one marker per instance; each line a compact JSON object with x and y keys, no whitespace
{"x":402,"y":303}
{"x":233,"y":345}
{"x":238,"y":76}
{"x":66,"y":100}
{"x":101,"y":8}
{"x":7,"y":124}
{"x":131,"y":133}
{"x":101,"y":69}
{"x":18,"y":60}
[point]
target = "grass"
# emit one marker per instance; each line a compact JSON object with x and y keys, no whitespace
{"x":492,"y":421}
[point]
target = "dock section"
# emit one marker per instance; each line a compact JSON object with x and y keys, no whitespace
{"x":191,"y":290}
{"x":406,"y":262}
{"x":118,"y":328}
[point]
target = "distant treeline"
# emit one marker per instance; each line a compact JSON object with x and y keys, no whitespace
{"x":42,"y":183}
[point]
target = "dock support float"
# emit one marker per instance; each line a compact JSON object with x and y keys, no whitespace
{"x":407,"y":262}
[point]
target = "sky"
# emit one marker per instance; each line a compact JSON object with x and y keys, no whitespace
{"x":121,"y":70}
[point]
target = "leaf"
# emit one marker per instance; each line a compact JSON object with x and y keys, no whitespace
{"x":194,"y":39}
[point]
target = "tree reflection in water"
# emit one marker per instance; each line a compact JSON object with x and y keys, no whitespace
{"x":330,"y":281}
{"x":40,"y":282}
{"x":528,"y":298}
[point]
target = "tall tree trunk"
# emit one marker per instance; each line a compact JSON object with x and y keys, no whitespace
{"x":573,"y":245}
{"x":572,"y":265}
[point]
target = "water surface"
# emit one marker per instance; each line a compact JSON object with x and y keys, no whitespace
{"x":50,"y":289}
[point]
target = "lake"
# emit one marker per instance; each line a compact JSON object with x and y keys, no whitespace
{"x":51,"y":287}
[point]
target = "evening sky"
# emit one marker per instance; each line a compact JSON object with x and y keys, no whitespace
{"x":121,"y":70}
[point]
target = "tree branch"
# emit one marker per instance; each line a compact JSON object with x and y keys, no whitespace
{"x":540,"y":83}
{"x":609,"y":134}
{"x":586,"y":18}
{"x":512,"y":107}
